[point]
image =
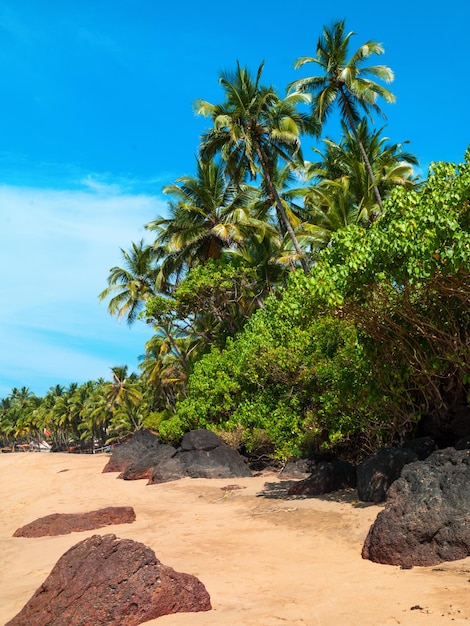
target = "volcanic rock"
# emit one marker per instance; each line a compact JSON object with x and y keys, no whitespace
{"x":202,"y":455}
{"x":422,"y":446}
{"x":66,"y":523}
{"x":301,"y":468}
{"x":143,"y":467}
{"x":117,"y":582}
{"x":426,"y":519}
{"x":142,"y":444}
{"x":376,"y":473}
{"x":326,"y":477}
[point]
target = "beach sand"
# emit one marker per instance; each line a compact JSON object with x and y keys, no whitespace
{"x":265,"y":560}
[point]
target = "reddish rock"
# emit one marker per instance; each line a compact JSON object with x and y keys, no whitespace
{"x":117,"y":582}
{"x":66,"y":523}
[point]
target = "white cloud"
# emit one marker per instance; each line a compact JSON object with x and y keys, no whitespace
{"x":57,"y":249}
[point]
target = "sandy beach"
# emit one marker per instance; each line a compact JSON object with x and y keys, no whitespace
{"x":265,"y":560}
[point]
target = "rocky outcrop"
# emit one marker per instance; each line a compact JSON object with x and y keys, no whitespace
{"x":422,"y":446}
{"x":117,"y":582}
{"x":426,"y":519}
{"x":202,"y":454}
{"x":143,"y":467}
{"x":326,"y":477}
{"x":142,"y":446}
{"x":376,"y":473}
{"x":205,"y":455}
{"x":66,"y":523}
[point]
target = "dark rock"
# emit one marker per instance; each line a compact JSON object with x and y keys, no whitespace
{"x":202,"y":455}
{"x":143,"y":467}
{"x":117,"y":582}
{"x":376,"y":473}
{"x":423,"y":446}
{"x":66,"y":523}
{"x":200,"y":440}
{"x":463,"y":444}
{"x":301,"y":468}
{"x":220,"y":462}
{"x":167,"y":470}
{"x":327,"y":476}
{"x":427,"y":516}
{"x":143,"y":443}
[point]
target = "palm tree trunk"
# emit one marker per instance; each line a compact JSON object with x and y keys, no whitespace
{"x":280,"y":209}
{"x":363,"y":152}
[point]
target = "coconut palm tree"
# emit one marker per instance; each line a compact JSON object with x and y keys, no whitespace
{"x":208,"y":214}
{"x":252,"y":129}
{"x":346,"y":82}
{"x":131,"y":285}
{"x":341,"y":186}
{"x":391,"y":164}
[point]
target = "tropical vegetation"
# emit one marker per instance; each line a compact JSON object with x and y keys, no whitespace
{"x":297,"y":305}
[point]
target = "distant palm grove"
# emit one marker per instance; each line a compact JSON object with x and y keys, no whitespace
{"x":298,"y":305}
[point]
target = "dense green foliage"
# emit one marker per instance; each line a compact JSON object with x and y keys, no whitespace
{"x":374,"y":337}
{"x":296,"y":305}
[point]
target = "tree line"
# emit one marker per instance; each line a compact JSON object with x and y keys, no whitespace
{"x":296,"y":304}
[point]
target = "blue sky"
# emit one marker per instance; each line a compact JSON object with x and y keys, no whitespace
{"x":96,"y":117}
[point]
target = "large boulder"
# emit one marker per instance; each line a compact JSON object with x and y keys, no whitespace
{"x":204,"y":455}
{"x":143,"y":444}
{"x":426,"y":519}
{"x":326,"y":477}
{"x":377,"y":472}
{"x":167,"y":470}
{"x":66,"y":523}
{"x":117,"y":582}
{"x":143,"y":467}
{"x":200,"y":439}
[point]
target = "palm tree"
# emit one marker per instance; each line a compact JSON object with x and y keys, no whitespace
{"x":346,"y":82}
{"x":252,"y":129}
{"x":340,"y":176}
{"x":207,"y":215}
{"x":131,"y":285}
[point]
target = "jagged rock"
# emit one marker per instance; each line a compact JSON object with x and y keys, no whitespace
{"x":142,"y":444}
{"x":143,"y":467}
{"x":422,"y":446}
{"x":426,"y":519}
{"x":66,"y":523}
{"x":326,"y":477}
{"x":117,"y":582}
{"x":202,"y":455}
{"x":376,"y":473}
